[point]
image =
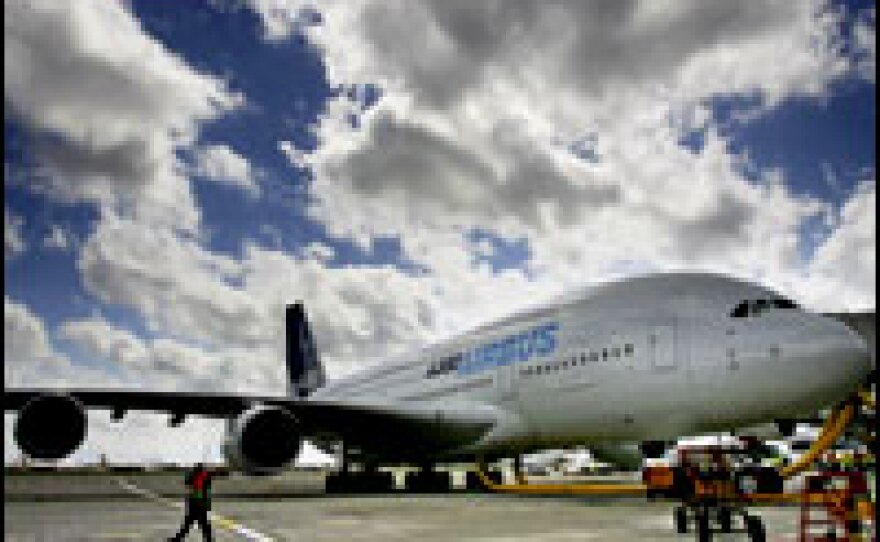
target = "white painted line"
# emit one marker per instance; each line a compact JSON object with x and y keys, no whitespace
{"x":221,"y":521}
{"x":128,"y":486}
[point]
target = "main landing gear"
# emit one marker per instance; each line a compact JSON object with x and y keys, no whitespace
{"x":368,"y":478}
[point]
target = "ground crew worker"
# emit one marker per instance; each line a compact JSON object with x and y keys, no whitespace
{"x":198,"y":502}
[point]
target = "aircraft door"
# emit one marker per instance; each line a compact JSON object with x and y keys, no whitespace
{"x":661,"y":345}
{"x":505,"y":382}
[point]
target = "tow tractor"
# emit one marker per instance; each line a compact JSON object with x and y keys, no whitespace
{"x":717,"y":483}
{"x":713,"y":483}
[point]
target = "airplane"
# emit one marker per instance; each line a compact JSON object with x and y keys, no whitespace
{"x":645,"y":360}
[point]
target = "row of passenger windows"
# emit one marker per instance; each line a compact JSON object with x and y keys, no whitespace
{"x":627,"y":350}
{"x":757,"y":306}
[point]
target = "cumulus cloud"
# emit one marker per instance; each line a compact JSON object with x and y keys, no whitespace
{"x":58,"y":238}
{"x":30,"y":357}
{"x":165,"y":363}
{"x":281,"y":18}
{"x":480,"y":119}
{"x":225,"y":317}
{"x":179,"y":287}
{"x":848,"y":257}
{"x":107,"y":106}
{"x":222,"y":164}
{"x":13,"y":241}
{"x":865,"y":44}
{"x":26,"y":347}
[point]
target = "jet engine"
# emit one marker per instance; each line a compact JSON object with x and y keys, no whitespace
{"x":50,"y":426}
{"x":262,"y":441}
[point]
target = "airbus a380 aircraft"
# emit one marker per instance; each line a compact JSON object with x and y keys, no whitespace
{"x":650,"y":358}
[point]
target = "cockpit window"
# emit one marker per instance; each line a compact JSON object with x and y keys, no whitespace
{"x":757,"y":306}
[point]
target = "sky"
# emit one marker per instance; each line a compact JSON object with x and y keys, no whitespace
{"x":176,"y":172}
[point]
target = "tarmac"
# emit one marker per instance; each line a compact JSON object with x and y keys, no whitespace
{"x":137,"y":506}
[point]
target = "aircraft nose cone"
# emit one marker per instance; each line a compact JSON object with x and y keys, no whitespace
{"x":847,"y":354}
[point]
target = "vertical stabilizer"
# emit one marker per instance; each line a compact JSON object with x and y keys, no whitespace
{"x":304,"y":370}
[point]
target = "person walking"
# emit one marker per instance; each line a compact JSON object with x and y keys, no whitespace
{"x":198,"y":502}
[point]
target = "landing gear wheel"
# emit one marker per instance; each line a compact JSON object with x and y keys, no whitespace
{"x":680,"y":517}
{"x":359,"y":482}
{"x":725,"y":519}
{"x":755,"y":529}
{"x":428,"y":481}
{"x":704,"y":533}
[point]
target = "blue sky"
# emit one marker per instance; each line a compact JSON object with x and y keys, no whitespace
{"x":174,"y":173}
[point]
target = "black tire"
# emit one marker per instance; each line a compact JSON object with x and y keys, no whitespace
{"x":855,"y":526}
{"x":336,"y":483}
{"x":681,"y":520}
{"x":426,"y":481}
{"x":378,"y":482}
{"x":755,"y":528}
{"x":472,"y":482}
{"x":704,"y":533}
{"x":725,"y":519}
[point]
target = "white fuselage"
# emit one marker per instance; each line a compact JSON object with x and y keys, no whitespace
{"x":649,"y":358}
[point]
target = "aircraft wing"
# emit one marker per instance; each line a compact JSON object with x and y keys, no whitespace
{"x":389,"y":429}
{"x":52,"y":422}
{"x":121,"y":400}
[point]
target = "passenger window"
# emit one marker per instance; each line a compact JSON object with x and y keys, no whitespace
{"x":538,"y":370}
{"x":615,"y":351}
{"x":760,"y":306}
{"x":784,"y":304}
{"x":594,"y":357}
{"x":604,"y":354}
{"x":741,"y":310}
{"x":628,"y":349}
{"x":583,"y":358}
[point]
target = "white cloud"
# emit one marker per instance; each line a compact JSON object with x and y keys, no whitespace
{"x":31,"y":359}
{"x":180,"y":288}
{"x":280,"y":18}
{"x":26,"y":347}
{"x":114,"y":102}
{"x":13,"y":241}
{"x":224,"y":165}
{"x":865,"y":44}
{"x":478,"y":113}
{"x":58,"y":238}
{"x":848,"y":258}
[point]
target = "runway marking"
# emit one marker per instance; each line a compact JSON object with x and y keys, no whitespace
{"x":221,"y":521}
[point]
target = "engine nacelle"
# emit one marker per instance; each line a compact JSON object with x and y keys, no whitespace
{"x":262,"y":441}
{"x":50,"y":426}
